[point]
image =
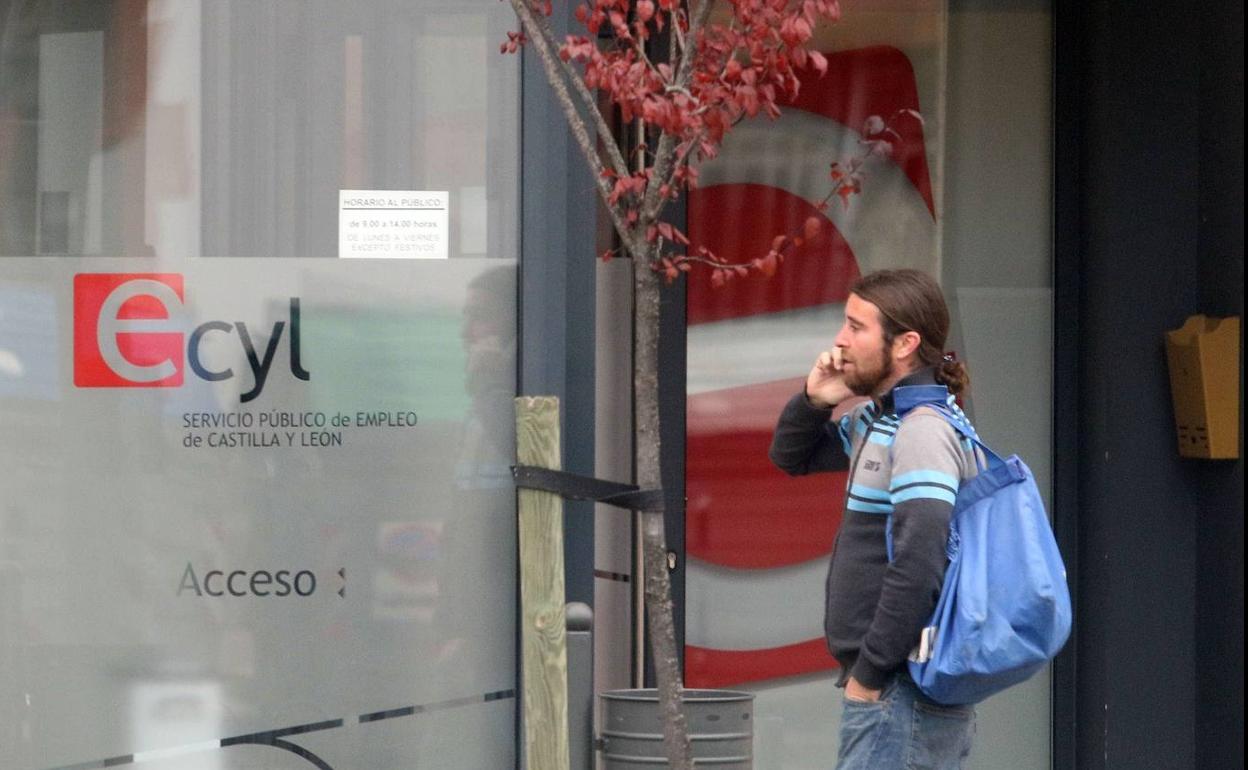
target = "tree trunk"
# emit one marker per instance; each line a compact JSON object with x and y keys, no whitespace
{"x":646,"y":284}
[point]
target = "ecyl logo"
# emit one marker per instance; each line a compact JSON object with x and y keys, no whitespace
{"x":128,"y":334}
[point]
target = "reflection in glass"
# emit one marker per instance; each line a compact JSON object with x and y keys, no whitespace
{"x":184,"y":128}
{"x":964,"y":196}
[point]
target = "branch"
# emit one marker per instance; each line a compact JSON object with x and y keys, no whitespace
{"x":546,"y":37}
{"x":682,"y":157}
{"x":708,"y":262}
{"x":551,"y":62}
{"x":685,"y":69}
{"x":640,"y":49}
{"x":673,"y":33}
{"x":732,"y":52}
{"x":653,"y":202}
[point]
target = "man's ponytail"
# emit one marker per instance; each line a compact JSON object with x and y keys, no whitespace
{"x":952,"y":373}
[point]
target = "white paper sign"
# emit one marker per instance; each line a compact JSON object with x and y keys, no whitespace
{"x":393,"y":224}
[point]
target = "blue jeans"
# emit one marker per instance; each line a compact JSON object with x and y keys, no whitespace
{"x":904,"y":730}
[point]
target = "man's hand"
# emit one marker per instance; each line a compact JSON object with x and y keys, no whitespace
{"x":855,"y":690}
{"x":825,"y":385}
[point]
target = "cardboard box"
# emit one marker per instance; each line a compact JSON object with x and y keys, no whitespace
{"x":1203,"y":356}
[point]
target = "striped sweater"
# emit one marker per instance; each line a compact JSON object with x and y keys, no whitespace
{"x":908,"y":466}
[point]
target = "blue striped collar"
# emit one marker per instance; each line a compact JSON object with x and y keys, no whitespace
{"x":910,"y":396}
{"x":918,"y":387}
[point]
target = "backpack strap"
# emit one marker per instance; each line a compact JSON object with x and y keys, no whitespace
{"x":935,"y":397}
{"x":910,"y":397}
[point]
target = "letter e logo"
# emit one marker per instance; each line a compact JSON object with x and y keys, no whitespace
{"x":128,"y":330}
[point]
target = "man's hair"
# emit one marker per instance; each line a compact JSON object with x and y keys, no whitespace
{"x":911,"y":301}
{"x":496,"y":305}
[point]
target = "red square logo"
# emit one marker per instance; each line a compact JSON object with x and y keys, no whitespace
{"x":128,"y":330}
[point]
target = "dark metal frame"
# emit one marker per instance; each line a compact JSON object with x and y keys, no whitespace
{"x":1067,"y":141}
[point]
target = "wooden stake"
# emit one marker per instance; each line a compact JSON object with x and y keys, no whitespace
{"x":543,"y":629}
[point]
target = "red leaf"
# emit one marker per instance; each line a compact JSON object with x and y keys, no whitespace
{"x":768,"y":264}
{"x":645,"y":10}
{"x":811,"y":228}
{"x":819,"y":62}
{"x":845,"y":191}
{"x":914,"y":115}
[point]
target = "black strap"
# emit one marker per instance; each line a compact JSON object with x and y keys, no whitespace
{"x":574,"y":487}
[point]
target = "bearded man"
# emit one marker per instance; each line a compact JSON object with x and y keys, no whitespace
{"x":903,"y":459}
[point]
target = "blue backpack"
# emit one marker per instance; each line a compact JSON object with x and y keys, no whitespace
{"x":1004,"y":609}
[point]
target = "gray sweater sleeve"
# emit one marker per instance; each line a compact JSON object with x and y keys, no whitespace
{"x":928,"y":464}
{"x":806,"y":441}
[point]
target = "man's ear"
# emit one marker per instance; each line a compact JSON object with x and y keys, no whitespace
{"x":906,"y":344}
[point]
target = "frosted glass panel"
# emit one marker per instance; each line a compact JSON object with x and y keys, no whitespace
{"x":307,"y":526}
{"x":256,"y":512}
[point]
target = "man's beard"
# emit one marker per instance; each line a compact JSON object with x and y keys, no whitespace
{"x":863,"y":382}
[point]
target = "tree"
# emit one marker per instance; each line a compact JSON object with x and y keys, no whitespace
{"x":687,"y":78}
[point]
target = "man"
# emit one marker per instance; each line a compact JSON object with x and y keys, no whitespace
{"x":902,"y":459}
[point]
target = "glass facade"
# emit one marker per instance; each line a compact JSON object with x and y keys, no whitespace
{"x":258,"y":334}
{"x":258,"y":508}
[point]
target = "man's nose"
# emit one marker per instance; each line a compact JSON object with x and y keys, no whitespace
{"x":841,"y":340}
